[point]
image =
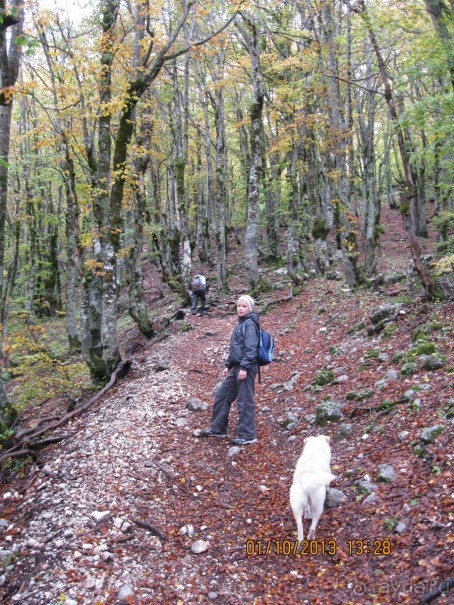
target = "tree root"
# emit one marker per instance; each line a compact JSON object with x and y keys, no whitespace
{"x":443,"y":588}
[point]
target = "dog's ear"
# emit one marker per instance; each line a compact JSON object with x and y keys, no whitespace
{"x":305,"y":440}
{"x":328,"y":439}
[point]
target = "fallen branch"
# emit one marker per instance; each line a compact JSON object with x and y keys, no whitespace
{"x":384,"y":407}
{"x":15,"y":451}
{"x":271,"y":303}
{"x":377,"y":418}
{"x":151,"y":528}
{"x":183,"y":488}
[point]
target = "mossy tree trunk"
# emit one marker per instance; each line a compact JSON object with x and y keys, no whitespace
{"x":10,"y":55}
{"x":257,"y":147}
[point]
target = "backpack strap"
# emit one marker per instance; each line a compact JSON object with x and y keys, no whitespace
{"x":258,"y":328}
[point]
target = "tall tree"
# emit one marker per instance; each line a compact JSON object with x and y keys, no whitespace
{"x":251,"y":37}
{"x":11,"y":27}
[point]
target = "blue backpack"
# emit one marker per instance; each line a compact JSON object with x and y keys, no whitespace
{"x":266,"y":346}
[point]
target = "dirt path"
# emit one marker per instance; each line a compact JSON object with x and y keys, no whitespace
{"x":105,"y":518}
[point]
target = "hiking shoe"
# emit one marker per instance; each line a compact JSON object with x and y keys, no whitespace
{"x":209,"y":433}
{"x":240,"y":441}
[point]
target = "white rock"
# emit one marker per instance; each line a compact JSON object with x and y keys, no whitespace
{"x":187,"y":530}
{"x":199,"y":546}
{"x":100,"y":515}
{"x":125,"y":591}
{"x":233,"y":451}
{"x":99,"y":582}
{"x":90,"y":582}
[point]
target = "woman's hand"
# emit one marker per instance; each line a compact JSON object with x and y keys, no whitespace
{"x":225,"y":371}
{"x":242,"y":374}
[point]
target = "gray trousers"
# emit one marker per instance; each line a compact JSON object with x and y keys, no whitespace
{"x":241,"y":390}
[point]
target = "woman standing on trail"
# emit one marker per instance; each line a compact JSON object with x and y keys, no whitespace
{"x":240,"y":369}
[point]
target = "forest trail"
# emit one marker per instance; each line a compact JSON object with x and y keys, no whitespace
{"x":101,"y":521}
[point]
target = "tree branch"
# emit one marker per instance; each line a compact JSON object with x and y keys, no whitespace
{"x":354,"y":83}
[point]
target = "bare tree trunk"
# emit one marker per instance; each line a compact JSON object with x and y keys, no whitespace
{"x":293,"y":242}
{"x":257,"y":153}
{"x":347,"y":226}
{"x":370,"y":199}
{"x":73,"y":272}
{"x":179,"y":123}
{"x":217,"y":102}
{"x":273,"y":197}
{"x":205,"y":224}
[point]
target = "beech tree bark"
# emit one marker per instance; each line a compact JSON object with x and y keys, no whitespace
{"x":221,"y":191}
{"x":346,"y":220}
{"x":365,"y":103}
{"x":257,"y":145}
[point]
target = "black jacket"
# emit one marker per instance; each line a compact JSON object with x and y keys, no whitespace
{"x":244,"y":343}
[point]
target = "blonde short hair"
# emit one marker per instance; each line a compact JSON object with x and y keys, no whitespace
{"x":248,"y":300}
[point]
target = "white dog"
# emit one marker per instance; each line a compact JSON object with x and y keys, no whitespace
{"x":310,"y":480}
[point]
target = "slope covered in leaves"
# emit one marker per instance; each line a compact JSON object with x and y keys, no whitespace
{"x":111,"y":513}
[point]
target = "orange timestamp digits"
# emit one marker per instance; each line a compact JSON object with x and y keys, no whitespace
{"x":291,"y":547}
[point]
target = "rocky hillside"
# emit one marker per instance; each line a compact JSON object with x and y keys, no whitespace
{"x":131,"y":506}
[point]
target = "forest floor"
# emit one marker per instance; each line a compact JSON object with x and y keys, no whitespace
{"x":111,"y":513}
